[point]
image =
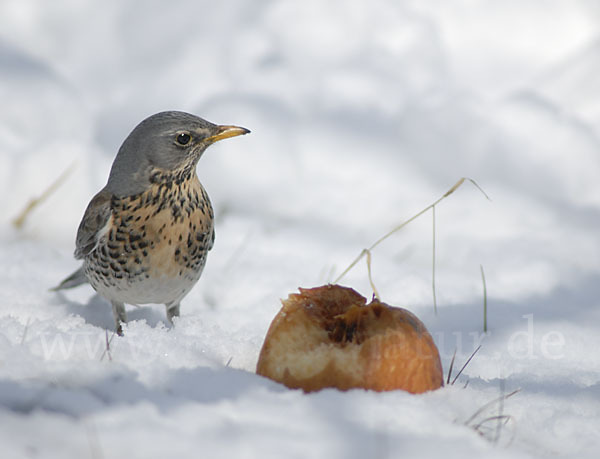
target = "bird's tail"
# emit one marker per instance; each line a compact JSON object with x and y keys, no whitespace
{"x":74,"y":280}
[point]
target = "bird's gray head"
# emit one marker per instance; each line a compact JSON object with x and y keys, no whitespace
{"x":166,"y":141}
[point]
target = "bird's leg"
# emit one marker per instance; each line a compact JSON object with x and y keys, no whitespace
{"x":172,"y":311}
{"x":120,"y":316}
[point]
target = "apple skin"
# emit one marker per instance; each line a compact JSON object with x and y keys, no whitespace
{"x":329,"y":337}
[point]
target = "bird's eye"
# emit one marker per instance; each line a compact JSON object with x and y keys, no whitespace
{"x":183,"y":138}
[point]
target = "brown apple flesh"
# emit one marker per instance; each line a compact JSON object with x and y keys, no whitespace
{"x":329,"y":337}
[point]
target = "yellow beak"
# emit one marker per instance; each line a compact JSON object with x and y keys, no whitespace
{"x":224,"y":132}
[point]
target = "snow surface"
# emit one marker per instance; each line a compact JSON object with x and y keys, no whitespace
{"x":362,"y":114}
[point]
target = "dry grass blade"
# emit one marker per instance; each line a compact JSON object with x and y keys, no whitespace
{"x":375,"y":292}
{"x":484,"y":299}
{"x":499,"y":417}
{"x":107,"y":348}
{"x":490,"y":403}
{"x":402,"y":225}
{"x":19,"y":220}
{"x":499,"y":424}
{"x":433,"y":262}
{"x":451,"y":367}
{"x":501,"y":421}
{"x":465,"y":365}
{"x":25,"y":330}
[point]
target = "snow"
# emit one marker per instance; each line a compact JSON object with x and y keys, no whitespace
{"x":362,"y":114}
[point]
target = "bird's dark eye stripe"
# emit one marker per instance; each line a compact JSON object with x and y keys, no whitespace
{"x":183,"y":138}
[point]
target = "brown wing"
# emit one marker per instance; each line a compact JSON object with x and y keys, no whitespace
{"x":94,"y":220}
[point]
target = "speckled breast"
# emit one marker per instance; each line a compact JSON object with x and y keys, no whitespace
{"x":156,"y":244}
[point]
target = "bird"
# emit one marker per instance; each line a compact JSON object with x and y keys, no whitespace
{"x":145,"y":236}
